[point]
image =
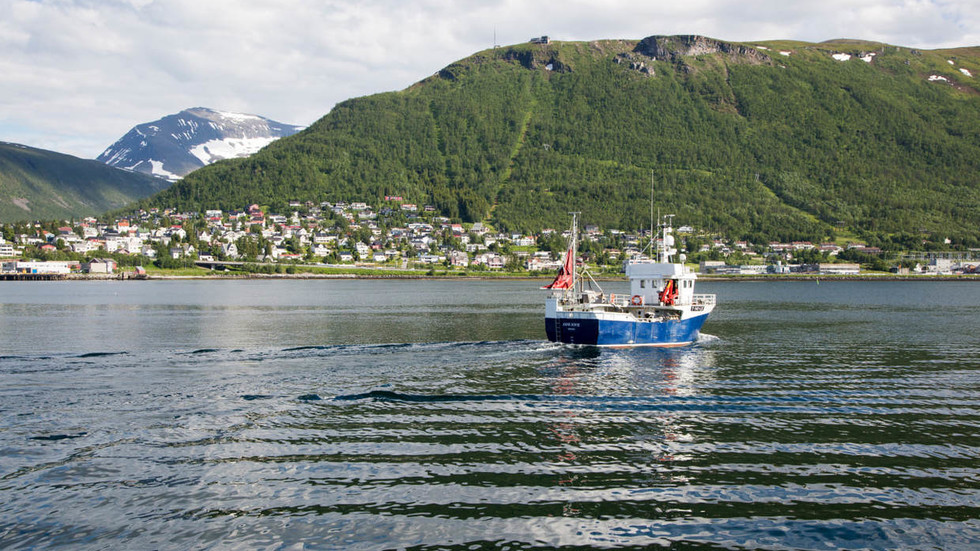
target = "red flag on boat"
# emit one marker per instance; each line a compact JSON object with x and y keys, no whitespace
{"x":565,"y":275}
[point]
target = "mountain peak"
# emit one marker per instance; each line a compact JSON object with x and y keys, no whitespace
{"x":178,"y":144}
{"x":216,"y":115}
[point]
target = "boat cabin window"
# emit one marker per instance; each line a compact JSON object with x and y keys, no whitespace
{"x":643,"y":284}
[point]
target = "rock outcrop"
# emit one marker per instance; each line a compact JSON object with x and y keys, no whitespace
{"x":673,"y":48}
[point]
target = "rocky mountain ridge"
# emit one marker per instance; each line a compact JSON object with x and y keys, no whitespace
{"x":175,"y":145}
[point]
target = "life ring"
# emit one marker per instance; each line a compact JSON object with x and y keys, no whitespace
{"x":636,"y":300}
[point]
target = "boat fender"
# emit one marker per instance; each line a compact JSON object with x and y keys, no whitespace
{"x":612,"y":298}
{"x":636,"y":300}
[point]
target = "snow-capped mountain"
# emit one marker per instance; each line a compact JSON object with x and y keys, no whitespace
{"x":177,"y":144}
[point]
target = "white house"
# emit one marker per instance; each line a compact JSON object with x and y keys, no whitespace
{"x":431,"y":258}
{"x":100,"y":266}
{"x":536,"y":263}
{"x":230,"y":250}
{"x":839,"y":269}
{"x":458,"y":258}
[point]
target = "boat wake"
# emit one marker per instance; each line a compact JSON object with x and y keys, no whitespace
{"x":705,"y":338}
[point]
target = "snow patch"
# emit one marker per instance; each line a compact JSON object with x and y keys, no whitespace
{"x":841,"y":57}
{"x":117,"y":157}
{"x":762,"y":48}
{"x":935,"y":78}
{"x":951,"y":62}
{"x":216,"y":150}
{"x":966,"y":72}
{"x":239,"y":117}
{"x":869,"y":57}
{"x":785,"y":52}
{"x":549,"y":67}
{"x":158,"y":170}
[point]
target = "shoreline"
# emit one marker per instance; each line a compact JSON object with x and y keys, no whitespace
{"x":484,"y":277}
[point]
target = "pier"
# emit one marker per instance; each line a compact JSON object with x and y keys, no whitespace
{"x":32,"y":277}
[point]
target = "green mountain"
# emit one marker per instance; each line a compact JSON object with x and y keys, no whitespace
{"x":43,"y":185}
{"x":764,"y":140}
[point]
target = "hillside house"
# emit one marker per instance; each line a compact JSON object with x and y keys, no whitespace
{"x":430,"y":258}
{"x":537,"y":263}
{"x":493,"y":261}
{"x":458,"y":259}
{"x":183,"y":250}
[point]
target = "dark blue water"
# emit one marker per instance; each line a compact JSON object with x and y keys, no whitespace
{"x":425,"y":414}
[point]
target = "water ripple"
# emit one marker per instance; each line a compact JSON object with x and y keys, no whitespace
{"x":797,"y":425}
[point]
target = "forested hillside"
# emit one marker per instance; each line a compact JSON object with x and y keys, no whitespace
{"x":36,"y":184}
{"x":768,"y":140}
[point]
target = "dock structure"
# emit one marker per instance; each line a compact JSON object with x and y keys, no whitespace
{"x":32,"y":277}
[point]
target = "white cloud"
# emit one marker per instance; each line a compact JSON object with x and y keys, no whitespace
{"x":77,"y":74}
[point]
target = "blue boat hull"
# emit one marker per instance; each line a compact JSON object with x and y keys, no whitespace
{"x":595,"y":331}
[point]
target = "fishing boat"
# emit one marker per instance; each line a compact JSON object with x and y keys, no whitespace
{"x":661,"y":308}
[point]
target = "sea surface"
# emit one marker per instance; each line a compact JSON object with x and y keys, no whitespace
{"x":420,"y":414}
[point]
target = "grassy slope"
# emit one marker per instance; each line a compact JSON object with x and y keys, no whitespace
{"x":43,"y":185}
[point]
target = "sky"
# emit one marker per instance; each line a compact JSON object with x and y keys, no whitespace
{"x":76,"y":75}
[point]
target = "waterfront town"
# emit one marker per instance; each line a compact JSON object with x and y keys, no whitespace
{"x":399,"y":235}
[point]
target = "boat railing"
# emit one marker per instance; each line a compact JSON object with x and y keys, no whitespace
{"x":620,"y":300}
{"x":624,"y":300}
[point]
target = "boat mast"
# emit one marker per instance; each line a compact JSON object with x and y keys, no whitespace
{"x":652,"y":219}
{"x":665,"y":249}
{"x":574,"y":249}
